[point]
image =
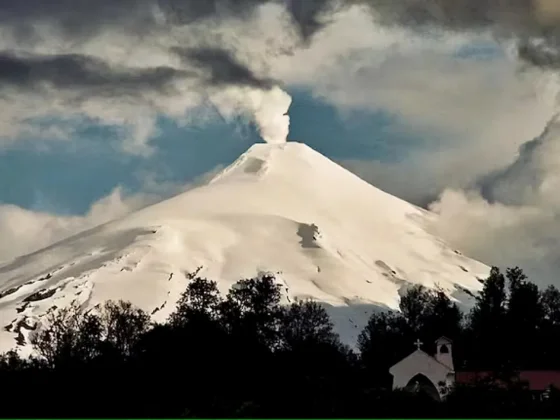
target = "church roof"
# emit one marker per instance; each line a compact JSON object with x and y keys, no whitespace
{"x":423,"y":353}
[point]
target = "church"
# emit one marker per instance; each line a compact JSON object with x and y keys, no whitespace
{"x":420,"y":371}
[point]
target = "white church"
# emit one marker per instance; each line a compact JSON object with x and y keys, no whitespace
{"x":434,"y":374}
{"x":420,"y":371}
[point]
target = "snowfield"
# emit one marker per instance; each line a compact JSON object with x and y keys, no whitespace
{"x":283,"y":209}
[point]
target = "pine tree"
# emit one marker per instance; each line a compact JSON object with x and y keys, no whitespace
{"x":486,"y":334}
{"x":385,"y":340}
{"x":550,"y":331}
{"x":524,"y":319}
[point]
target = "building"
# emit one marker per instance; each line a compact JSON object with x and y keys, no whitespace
{"x":420,"y":371}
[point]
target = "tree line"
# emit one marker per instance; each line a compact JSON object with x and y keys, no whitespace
{"x":247,"y":355}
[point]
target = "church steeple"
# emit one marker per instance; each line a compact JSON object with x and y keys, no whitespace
{"x":443,"y":352}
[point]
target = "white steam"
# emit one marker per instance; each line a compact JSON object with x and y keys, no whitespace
{"x":267,"y":108}
{"x":270,"y":112}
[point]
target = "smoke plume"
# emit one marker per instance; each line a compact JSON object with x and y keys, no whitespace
{"x":270,"y":111}
{"x":261,"y":97}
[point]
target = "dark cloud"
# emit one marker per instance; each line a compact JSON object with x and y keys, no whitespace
{"x":222,"y":68}
{"x":74,"y":71}
{"x":451,"y":14}
{"x":83,"y":18}
{"x":80,"y":72}
{"x":187,"y":11}
{"x":525,"y":20}
{"x":75,"y":18}
{"x":521,"y":181}
{"x":310,"y":16}
{"x":544,"y":55}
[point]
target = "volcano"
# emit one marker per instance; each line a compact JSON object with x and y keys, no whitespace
{"x":281,"y":209}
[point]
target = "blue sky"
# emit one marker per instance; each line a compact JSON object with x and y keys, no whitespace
{"x":67,"y":177}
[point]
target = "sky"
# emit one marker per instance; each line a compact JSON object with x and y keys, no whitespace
{"x":450,"y":105}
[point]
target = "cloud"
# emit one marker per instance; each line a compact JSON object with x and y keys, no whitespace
{"x":501,"y":235}
{"x":462,"y":116}
{"x":73,"y":71}
{"x":221,"y":68}
{"x":512,"y":216}
{"x":126,"y":64}
{"x":123,"y":65}
{"x":526,"y":21}
{"x":23,"y":231}
{"x":89,"y":17}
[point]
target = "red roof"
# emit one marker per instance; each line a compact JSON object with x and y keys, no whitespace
{"x":537,"y":380}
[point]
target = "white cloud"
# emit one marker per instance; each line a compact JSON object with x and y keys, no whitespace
{"x":133,"y":110}
{"x":23,"y":231}
{"x":473,"y":113}
{"x":502,"y":235}
{"x":514,"y":217}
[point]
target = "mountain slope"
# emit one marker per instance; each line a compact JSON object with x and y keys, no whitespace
{"x":286,"y":209}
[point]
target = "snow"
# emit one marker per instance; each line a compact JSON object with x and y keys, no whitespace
{"x":280,"y":208}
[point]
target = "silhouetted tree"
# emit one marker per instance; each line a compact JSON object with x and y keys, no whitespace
{"x":441,"y":317}
{"x":252,"y":309}
{"x":11,"y":362}
{"x":70,"y":337}
{"x":123,"y":326}
{"x":550,"y":329}
{"x":200,"y":299}
{"x":413,"y":305}
{"x":247,"y":355}
{"x":550,"y":299}
{"x":385,"y":340}
{"x":487,"y":332}
{"x":304,"y":323}
{"x":313,"y":361}
{"x":524,"y":319}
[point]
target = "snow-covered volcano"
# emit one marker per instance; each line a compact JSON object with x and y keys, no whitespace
{"x":283,"y":209}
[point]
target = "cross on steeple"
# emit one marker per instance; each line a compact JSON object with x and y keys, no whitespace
{"x":418,"y":343}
